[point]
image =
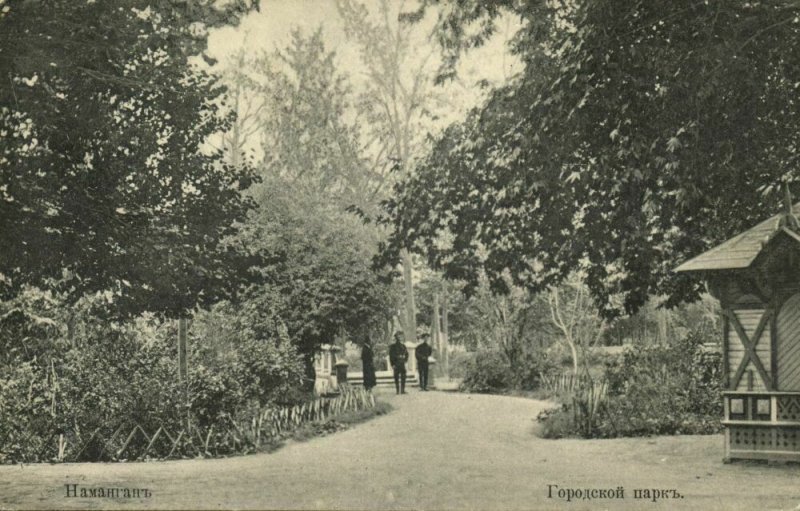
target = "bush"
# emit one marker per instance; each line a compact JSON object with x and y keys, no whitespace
{"x":487,"y":372}
{"x":664,"y":389}
{"x":532,"y":364}
{"x":460,"y":362}
{"x":490,"y":371}
{"x":87,"y":387}
{"x":653,"y":390}
{"x":557,"y":422}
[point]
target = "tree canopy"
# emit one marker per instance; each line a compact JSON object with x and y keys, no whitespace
{"x":319,"y":281}
{"x":638,"y":135}
{"x":105,"y":186}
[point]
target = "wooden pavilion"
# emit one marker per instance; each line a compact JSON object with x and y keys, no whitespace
{"x":756,"y":278}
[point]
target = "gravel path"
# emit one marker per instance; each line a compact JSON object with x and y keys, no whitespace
{"x":434,"y":451}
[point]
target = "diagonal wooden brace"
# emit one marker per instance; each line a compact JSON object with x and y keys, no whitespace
{"x":750,"y":348}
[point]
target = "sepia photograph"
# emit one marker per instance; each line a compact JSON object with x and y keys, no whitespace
{"x":400,"y":254}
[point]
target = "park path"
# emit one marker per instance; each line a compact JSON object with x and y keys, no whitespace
{"x":434,"y":451}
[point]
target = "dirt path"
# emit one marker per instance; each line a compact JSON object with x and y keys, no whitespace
{"x":434,"y":451}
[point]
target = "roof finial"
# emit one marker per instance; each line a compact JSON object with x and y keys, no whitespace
{"x":789,"y":220}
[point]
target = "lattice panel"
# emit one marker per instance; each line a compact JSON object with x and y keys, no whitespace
{"x":763,"y":439}
{"x":743,"y":438}
{"x":789,"y":408}
{"x":788,"y":439}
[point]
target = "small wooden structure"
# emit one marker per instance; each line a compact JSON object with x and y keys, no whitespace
{"x":756,"y":278}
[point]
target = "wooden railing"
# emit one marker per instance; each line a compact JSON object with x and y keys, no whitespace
{"x":762,"y":425}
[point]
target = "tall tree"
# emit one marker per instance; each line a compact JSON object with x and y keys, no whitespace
{"x":308,"y":134}
{"x":104,"y":187}
{"x":393,"y":104}
{"x":320,"y":283}
{"x":245,"y":103}
{"x":639,"y":134}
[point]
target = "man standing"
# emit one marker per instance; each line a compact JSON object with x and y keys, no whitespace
{"x":398,"y":354}
{"x":422,"y":352}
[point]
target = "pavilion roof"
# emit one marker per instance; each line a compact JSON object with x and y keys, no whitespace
{"x":741,"y":250}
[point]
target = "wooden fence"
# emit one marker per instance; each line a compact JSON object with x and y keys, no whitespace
{"x":228,"y":437}
{"x":587,"y":397}
{"x":568,"y":382}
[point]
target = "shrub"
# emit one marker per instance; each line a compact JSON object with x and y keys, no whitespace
{"x":459,"y":363}
{"x":25,"y":410}
{"x":528,"y":371}
{"x":664,"y":389}
{"x":557,"y":422}
{"x":488,"y":372}
{"x":87,"y":391}
{"x":658,"y":389}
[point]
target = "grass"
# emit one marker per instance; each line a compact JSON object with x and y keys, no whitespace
{"x":340,"y":422}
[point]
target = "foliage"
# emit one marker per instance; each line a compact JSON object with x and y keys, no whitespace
{"x":322,"y":285}
{"x":104,"y":183}
{"x":487,"y":372}
{"x":664,"y":389}
{"x":341,"y":422}
{"x":531,"y":367}
{"x":557,"y":422}
{"x":460,"y":363}
{"x":319,"y":281}
{"x":251,"y":346}
{"x":76,"y":377}
{"x":639,"y":134}
{"x":657,"y":324}
{"x":308,"y":140}
{"x":653,"y":390}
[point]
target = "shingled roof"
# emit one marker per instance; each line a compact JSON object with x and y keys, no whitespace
{"x":741,"y":250}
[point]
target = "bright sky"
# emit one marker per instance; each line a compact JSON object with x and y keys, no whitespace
{"x":270,"y":29}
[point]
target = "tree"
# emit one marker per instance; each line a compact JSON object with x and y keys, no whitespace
{"x":247,"y":107}
{"x":105,"y":188}
{"x":392,"y":104}
{"x":308,"y":134}
{"x":638,"y":135}
{"x":572,"y":314}
{"x":319,"y":281}
{"x":322,"y":284}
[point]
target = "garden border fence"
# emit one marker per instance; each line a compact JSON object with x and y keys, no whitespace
{"x":230,"y":436}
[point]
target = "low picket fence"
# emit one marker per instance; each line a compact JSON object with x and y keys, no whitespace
{"x":231,"y":437}
{"x":568,"y":382}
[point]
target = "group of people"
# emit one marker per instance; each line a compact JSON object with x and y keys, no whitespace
{"x":398,"y":356}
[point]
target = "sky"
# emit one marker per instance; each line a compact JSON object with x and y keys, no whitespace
{"x":270,"y":30}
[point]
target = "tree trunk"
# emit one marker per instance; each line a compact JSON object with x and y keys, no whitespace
{"x":661,"y":315}
{"x":183,"y":363}
{"x":410,"y":320}
{"x":435,"y":331}
{"x":236,"y":141}
{"x":574,"y":357}
{"x":445,"y":337}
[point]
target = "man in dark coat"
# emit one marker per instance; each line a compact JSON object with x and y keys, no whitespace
{"x":368,"y":366}
{"x":422,"y":352}
{"x":398,"y":355}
